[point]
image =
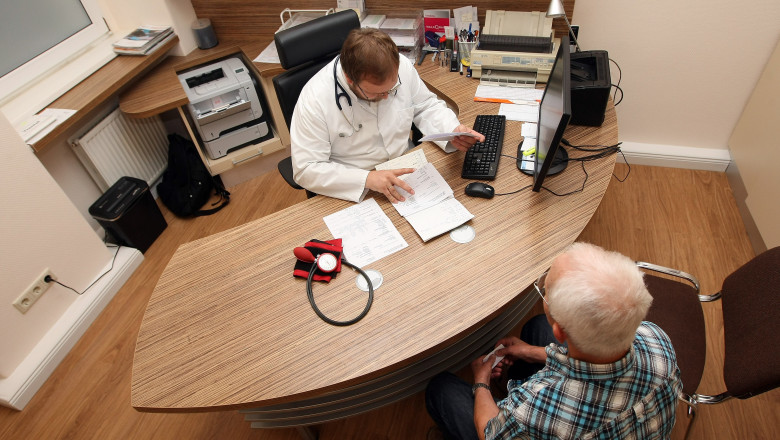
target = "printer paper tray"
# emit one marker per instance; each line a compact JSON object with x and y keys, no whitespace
{"x":224,"y":112}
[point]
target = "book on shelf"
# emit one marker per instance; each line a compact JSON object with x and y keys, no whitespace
{"x":144,"y":40}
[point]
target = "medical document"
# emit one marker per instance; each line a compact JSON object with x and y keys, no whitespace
{"x":416,"y":159}
{"x":446,"y":136}
{"x":366,"y":233}
{"x":433,"y":209}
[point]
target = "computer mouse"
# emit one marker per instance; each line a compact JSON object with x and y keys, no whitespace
{"x":479,"y":189}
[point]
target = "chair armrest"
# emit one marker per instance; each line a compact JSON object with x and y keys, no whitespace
{"x":679,"y":274}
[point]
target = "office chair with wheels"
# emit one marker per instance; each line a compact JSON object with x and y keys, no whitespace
{"x":750,"y":299}
{"x":303,"y":51}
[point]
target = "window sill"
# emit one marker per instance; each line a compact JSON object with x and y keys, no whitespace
{"x":87,"y":94}
{"x":33,"y":97}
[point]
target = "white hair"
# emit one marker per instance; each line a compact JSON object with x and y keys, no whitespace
{"x":599,"y":298}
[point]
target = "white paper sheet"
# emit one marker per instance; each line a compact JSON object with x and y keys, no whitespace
{"x":429,"y":189}
{"x":367,"y":233}
{"x":523,"y":113}
{"x":51,"y":118}
{"x":268,"y":55}
{"x":416,"y":159}
{"x":510,"y":93}
{"x":445,"y":136}
{"x":439,"y":218}
{"x":529,"y":130}
{"x":433,"y":209}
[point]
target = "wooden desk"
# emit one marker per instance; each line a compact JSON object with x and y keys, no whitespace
{"x":228,"y":327}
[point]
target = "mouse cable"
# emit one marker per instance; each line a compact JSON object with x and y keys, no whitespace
{"x":521,"y":189}
{"x":49,"y":279}
{"x":617,"y":86}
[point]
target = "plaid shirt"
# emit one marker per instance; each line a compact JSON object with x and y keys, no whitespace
{"x":633,"y":398}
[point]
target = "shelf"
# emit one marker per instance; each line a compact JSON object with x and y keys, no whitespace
{"x":161,"y":91}
{"x":237,"y":157}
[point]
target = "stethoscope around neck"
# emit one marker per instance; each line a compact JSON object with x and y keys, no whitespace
{"x":343,"y":94}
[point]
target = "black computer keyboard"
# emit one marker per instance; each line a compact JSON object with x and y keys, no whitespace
{"x":481,"y":161}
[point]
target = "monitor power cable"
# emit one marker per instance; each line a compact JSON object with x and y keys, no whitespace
{"x":599,"y":152}
{"x":617,"y":86}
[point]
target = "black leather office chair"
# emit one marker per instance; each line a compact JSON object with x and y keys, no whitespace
{"x":303,"y":51}
{"x":750,"y":298}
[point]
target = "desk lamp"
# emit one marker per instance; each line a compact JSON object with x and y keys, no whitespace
{"x":556,"y":10}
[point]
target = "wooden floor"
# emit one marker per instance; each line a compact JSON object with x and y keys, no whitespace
{"x":679,"y":218}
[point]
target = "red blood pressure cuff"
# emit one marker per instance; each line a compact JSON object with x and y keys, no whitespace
{"x":317,"y":247}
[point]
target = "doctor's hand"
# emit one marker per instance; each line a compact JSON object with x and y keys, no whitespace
{"x":463,"y":143}
{"x":385,"y":181}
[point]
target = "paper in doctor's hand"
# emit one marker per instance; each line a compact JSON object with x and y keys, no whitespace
{"x":447,"y":136}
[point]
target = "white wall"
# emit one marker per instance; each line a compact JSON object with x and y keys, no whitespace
{"x":45,"y":221}
{"x":39,"y":228}
{"x":689,"y":66}
{"x":756,"y":155}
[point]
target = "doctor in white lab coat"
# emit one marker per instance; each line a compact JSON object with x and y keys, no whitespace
{"x":334,"y":151}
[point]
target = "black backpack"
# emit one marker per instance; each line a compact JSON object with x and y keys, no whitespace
{"x":186,"y":184}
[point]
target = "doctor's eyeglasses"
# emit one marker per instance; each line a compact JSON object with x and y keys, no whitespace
{"x":539,"y":286}
{"x":391,"y":92}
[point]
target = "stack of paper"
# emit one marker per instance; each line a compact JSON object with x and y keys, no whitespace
{"x":433,"y":209}
{"x":373,"y":21}
{"x":143,"y":40}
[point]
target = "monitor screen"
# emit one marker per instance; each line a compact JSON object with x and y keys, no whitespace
{"x":554,"y":115}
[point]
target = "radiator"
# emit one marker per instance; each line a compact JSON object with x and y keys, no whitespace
{"x":121,"y":146}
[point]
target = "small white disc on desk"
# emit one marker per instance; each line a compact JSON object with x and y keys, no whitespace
{"x":375,"y":277}
{"x":463,"y":234}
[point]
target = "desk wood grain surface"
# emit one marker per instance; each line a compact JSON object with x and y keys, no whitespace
{"x":228,"y":326}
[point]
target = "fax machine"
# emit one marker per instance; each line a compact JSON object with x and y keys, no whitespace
{"x":515,"y":49}
{"x":225,"y":106}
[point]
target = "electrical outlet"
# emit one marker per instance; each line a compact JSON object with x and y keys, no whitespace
{"x":32,"y":293}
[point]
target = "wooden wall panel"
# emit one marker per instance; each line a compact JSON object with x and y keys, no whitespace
{"x":243,"y":20}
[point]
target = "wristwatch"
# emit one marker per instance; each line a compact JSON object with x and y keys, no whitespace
{"x":479,"y":385}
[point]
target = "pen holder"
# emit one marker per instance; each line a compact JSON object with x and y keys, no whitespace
{"x":465,"y":48}
{"x":204,"y":33}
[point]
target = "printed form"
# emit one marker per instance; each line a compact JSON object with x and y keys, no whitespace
{"x":433,"y":209}
{"x":366,"y":232}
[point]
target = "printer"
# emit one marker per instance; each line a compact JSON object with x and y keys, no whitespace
{"x":225,"y":106}
{"x":515,"y":49}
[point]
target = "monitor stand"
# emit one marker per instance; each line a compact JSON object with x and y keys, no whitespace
{"x":559,"y":163}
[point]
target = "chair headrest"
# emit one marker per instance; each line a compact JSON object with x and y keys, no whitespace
{"x":314,"y":39}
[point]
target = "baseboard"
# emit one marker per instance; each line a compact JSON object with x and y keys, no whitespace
{"x":674,"y":156}
{"x":17,"y":389}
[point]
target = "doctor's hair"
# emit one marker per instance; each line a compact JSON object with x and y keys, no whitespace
{"x":599,"y":298}
{"x":369,"y":54}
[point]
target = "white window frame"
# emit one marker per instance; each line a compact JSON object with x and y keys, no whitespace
{"x":44,"y":63}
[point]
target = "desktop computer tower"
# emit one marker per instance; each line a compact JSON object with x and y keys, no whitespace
{"x":129,"y":214}
{"x":590,"y":87}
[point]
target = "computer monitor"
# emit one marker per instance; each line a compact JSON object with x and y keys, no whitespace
{"x":554,"y":115}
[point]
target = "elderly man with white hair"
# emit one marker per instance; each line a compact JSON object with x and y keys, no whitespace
{"x":590,"y":367}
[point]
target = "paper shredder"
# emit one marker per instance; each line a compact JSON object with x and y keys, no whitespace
{"x":129,"y":214}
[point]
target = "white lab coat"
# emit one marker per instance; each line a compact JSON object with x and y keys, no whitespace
{"x":333,"y":150}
